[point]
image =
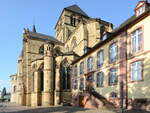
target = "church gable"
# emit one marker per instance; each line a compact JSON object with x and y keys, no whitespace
{"x":76,"y":9}
{"x":70,"y":18}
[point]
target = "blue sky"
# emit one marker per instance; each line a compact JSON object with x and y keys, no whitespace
{"x":17,"y":14}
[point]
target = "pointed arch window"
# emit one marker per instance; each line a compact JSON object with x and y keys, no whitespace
{"x":66,"y":75}
{"x":74,"y":42}
{"x":42,"y":81}
{"x":64,"y":78}
{"x":41,"y":50}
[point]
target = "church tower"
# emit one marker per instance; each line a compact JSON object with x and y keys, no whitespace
{"x":69,"y":19}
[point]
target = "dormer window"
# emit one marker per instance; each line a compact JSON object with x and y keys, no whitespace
{"x":140,"y":11}
{"x":140,"y":8}
{"x":105,"y":35}
{"x":86,"y":49}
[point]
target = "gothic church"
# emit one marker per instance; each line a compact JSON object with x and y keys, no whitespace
{"x":44,"y":65}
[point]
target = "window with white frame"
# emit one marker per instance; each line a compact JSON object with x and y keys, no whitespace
{"x":113,"y":76}
{"x":136,"y":71}
{"x":90,"y":63}
{"x":99,"y":79}
{"x":81,"y":67}
{"x":113,"y":52}
{"x":100,"y":58}
{"x":140,"y":11}
{"x":75,"y":70}
{"x":136,"y":38}
{"x":81,"y":83}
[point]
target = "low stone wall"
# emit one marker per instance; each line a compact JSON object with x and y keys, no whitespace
{"x":143,"y":104}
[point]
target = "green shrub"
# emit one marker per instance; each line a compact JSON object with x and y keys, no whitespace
{"x":2,"y":99}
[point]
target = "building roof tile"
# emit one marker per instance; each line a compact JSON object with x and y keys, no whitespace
{"x":114,"y":32}
{"x":43,"y":37}
{"x":75,"y":8}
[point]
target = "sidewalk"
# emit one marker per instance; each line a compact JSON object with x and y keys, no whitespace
{"x":14,"y":108}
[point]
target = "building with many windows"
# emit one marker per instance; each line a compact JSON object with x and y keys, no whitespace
{"x":44,"y":65}
{"x":121,"y":55}
{"x":86,"y":62}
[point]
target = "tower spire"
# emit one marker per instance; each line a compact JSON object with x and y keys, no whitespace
{"x":33,"y":29}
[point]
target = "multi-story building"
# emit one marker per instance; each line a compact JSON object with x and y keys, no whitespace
{"x":44,"y":65}
{"x":121,"y":55}
{"x":86,"y":62}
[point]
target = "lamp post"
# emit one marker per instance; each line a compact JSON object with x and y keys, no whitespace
{"x":121,"y":96}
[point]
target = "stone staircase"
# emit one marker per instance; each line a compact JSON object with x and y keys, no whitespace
{"x":106,"y":104}
{"x":93,"y":99}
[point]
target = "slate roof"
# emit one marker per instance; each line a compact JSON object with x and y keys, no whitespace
{"x":130,"y":20}
{"x":114,"y":32}
{"x":75,"y":8}
{"x":71,"y":53}
{"x":43,"y":37}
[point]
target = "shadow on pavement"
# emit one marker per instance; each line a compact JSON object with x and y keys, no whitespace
{"x":133,"y":111}
{"x":60,"y":109}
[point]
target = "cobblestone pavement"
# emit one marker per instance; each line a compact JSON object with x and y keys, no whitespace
{"x":14,"y":108}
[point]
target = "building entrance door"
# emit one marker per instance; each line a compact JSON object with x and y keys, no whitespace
{"x":81,"y":101}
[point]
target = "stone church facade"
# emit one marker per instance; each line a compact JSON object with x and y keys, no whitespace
{"x":86,"y":62}
{"x":44,"y":65}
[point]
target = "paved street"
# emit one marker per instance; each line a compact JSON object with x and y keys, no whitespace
{"x":13,"y":108}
